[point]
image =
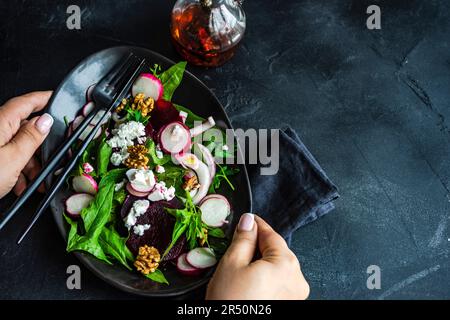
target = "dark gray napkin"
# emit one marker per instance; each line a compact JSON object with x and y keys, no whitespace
{"x":298,"y":194}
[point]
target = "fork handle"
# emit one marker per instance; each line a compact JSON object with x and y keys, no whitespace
{"x":62,"y":177}
{"x":48,"y":169}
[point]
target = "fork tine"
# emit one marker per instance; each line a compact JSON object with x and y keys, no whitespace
{"x":114,"y":73}
{"x":128,"y":76}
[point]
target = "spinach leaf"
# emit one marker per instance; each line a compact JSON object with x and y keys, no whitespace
{"x":157,"y":276}
{"x":151,"y":146}
{"x":171,"y":79}
{"x":115,"y":246}
{"x":103,"y":156}
{"x":191,"y":118}
{"x":178,"y":230}
{"x":76,"y":242}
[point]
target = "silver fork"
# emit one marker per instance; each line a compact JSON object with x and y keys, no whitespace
{"x":106,"y":95}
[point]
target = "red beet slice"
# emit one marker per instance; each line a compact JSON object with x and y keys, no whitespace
{"x":160,"y":233}
{"x":164,"y":113}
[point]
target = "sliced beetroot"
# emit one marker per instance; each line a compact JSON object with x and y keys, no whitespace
{"x":160,"y":233}
{"x":163,"y":114}
{"x":150,"y":132}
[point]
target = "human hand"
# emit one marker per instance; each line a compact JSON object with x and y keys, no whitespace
{"x":20,"y":138}
{"x":276,"y":275}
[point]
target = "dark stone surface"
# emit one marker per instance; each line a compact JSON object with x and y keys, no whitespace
{"x":372,"y":106}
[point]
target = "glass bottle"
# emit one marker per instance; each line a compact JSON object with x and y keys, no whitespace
{"x":207,"y":32}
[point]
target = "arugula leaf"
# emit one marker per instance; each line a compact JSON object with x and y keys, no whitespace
{"x":156,"y":70}
{"x":157,"y":276}
{"x":103,"y":156}
{"x":114,"y":245}
{"x":171,"y":79}
{"x":223,"y":175}
{"x":178,"y":230}
{"x":216,"y":233}
{"x":151,"y":146}
{"x":173,"y":176}
{"x":136,"y":115}
{"x":191,"y":118}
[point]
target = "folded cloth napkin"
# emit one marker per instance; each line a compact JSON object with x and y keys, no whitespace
{"x":298,"y":194}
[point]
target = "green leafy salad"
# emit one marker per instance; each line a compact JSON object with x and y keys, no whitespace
{"x":144,"y":194}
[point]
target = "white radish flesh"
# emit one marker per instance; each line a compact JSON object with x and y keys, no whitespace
{"x":201,"y":170}
{"x":76,"y":203}
{"x":135,"y":193}
{"x":203,"y":153}
{"x":88,"y":130}
{"x":185,"y":268}
{"x":175,"y":138}
{"x":149,"y":85}
{"x":201,"y":258}
{"x":215,"y":211}
{"x":198,"y":130}
{"x":85,"y":184}
{"x":88,"y":108}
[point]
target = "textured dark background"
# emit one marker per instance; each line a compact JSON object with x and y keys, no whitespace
{"x":372,"y":106}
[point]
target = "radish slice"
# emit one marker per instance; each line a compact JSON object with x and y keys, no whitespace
{"x":175,"y":138}
{"x":88,"y":130}
{"x":85,"y":184}
{"x":201,"y":258}
{"x":135,"y":193}
{"x":89,"y":92}
{"x":202,"y":171}
{"x":203,"y":153}
{"x":98,"y":116}
{"x":76,"y":122}
{"x":198,"y":130}
{"x":185,"y":268}
{"x":88,"y":108}
{"x":215,"y":211}
{"x":76,"y":203}
{"x":149,"y":85}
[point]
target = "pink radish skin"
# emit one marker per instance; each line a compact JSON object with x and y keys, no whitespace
{"x":185,"y":268}
{"x":215,"y":210}
{"x":89,"y":92}
{"x":203,"y":152}
{"x":174,"y":143}
{"x":149,"y":85}
{"x":76,"y":203}
{"x":198,"y":130}
{"x":201,"y":258}
{"x":85,"y":184}
{"x":76,"y":122}
{"x":135,"y":193}
{"x":88,"y":108}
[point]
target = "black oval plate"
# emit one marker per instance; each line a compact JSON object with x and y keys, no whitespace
{"x":192,"y":93}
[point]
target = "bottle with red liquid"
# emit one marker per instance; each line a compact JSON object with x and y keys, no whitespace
{"x":207,"y":32}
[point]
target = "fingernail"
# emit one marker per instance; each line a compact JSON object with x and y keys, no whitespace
{"x":44,"y":123}
{"x":246,"y":222}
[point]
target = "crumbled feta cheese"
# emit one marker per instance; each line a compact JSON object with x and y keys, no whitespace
{"x":141,"y":177}
{"x":138,"y":209}
{"x":124,"y":135}
{"x":88,"y":168}
{"x":160,"y":169}
{"x":119,"y":186}
{"x":117,"y":158}
{"x":140,"y":229}
{"x":161,"y":192}
{"x":225,"y":147}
